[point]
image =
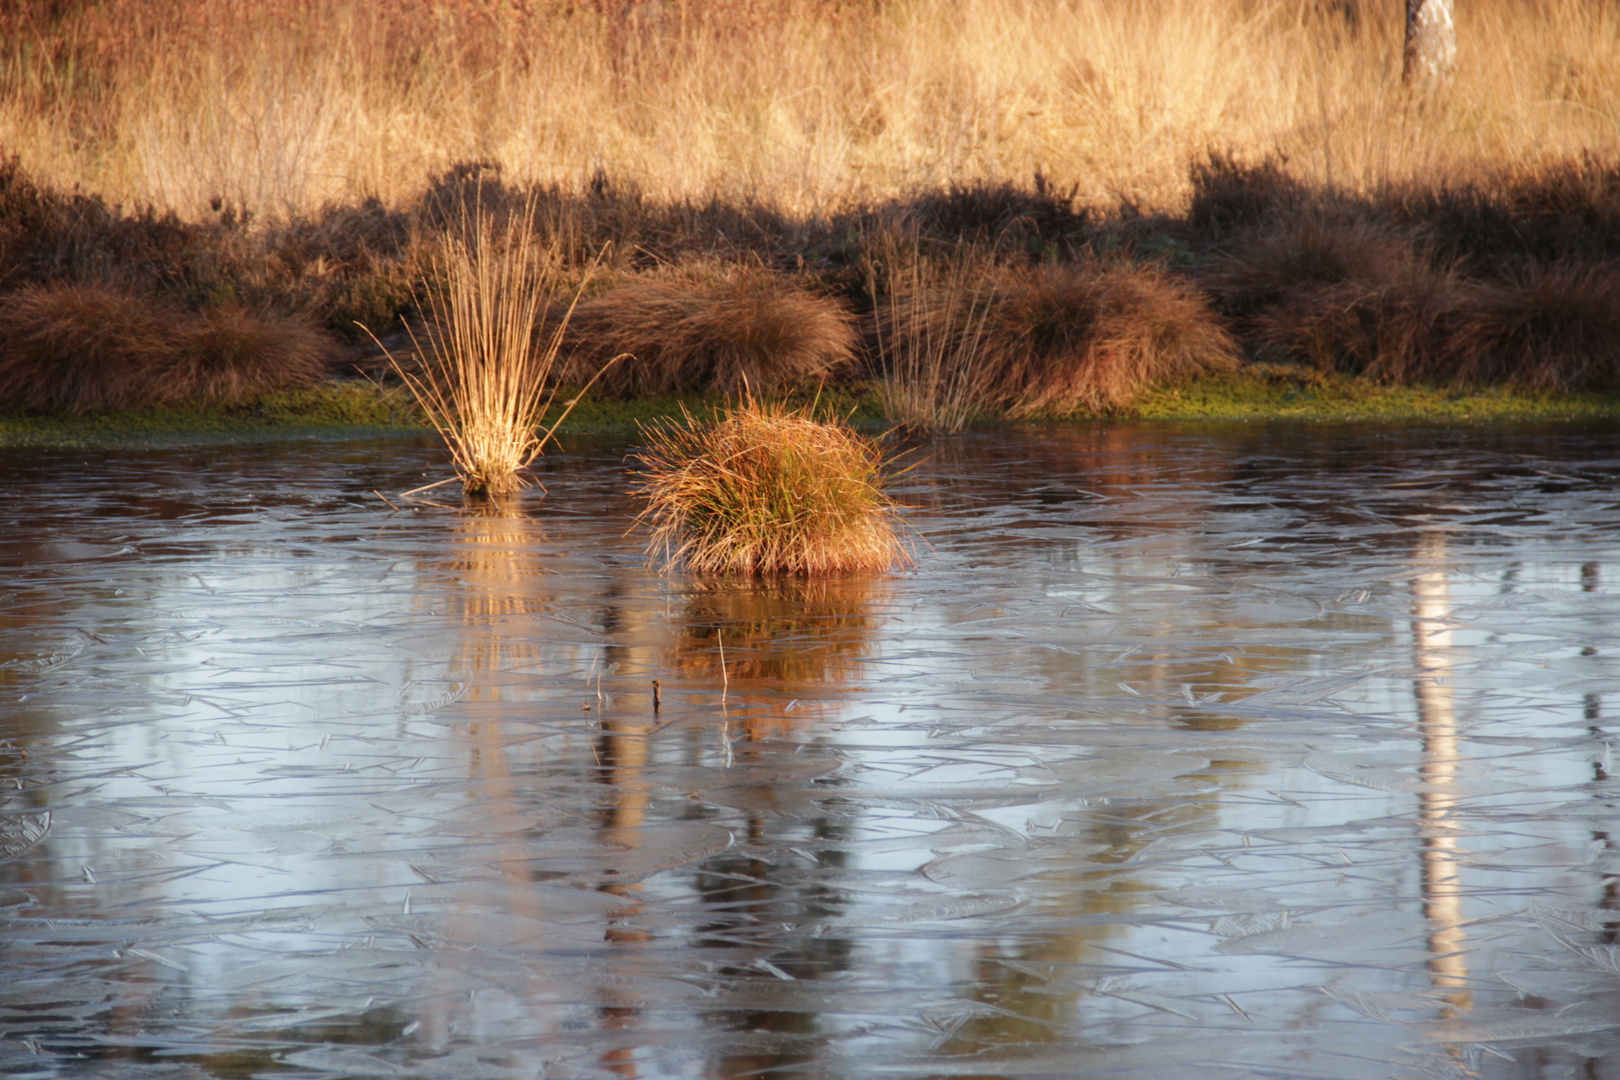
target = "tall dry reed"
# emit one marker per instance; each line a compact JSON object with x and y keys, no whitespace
{"x":283,"y":106}
{"x":483,"y":376}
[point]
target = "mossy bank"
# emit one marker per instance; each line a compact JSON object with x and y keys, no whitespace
{"x":356,"y":409}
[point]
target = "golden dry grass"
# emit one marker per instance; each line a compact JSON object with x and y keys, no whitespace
{"x":282,"y":106}
{"x":767,"y":489}
{"x":484,"y":376}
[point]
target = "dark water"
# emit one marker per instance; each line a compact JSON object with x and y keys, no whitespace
{"x":1185,"y":752}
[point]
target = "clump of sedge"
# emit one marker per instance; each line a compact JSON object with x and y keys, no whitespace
{"x":767,"y":489}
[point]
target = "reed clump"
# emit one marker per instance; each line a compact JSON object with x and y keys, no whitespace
{"x":930,"y":341}
{"x":730,"y":330}
{"x":767,"y":489}
{"x":79,"y":348}
{"x":483,"y":376}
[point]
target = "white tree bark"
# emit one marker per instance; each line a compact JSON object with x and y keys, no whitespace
{"x":1431,"y":42}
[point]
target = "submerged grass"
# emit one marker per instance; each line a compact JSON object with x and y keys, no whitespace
{"x":767,"y":489}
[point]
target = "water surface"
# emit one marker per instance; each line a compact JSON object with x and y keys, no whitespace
{"x":1184,"y":752}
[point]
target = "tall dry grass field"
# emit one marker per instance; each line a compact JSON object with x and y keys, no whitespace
{"x":281,"y":106}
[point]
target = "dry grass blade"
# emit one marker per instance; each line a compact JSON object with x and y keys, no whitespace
{"x":484,"y":381}
{"x":767,"y":489}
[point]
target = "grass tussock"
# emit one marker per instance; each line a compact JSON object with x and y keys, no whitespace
{"x":1047,"y":339}
{"x":1094,"y":336}
{"x":1543,"y":325}
{"x":80,"y":348}
{"x":483,"y":379}
{"x":729,"y":329}
{"x":767,"y":489}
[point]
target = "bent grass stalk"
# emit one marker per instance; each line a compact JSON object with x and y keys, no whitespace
{"x":767,"y":489}
{"x":484,"y":383}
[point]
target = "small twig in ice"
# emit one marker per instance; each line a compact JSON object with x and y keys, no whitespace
{"x":428,"y":487}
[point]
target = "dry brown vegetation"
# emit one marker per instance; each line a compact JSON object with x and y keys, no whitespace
{"x":1020,"y":207}
{"x":72,"y":348}
{"x":287,"y":106}
{"x":735,"y":329}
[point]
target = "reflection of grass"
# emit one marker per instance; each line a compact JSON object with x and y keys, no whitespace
{"x":767,"y":489}
{"x":791,"y":630}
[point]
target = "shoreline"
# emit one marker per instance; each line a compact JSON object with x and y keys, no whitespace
{"x":353,"y":409}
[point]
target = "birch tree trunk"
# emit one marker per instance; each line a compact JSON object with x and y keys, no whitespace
{"x":1431,"y":42}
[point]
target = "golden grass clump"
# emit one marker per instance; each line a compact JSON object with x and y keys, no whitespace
{"x":767,"y":489}
{"x":929,"y":339}
{"x":483,"y":377}
{"x":730,"y":330}
{"x":79,"y":348}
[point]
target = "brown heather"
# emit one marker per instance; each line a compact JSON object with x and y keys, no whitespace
{"x":71,"y":348}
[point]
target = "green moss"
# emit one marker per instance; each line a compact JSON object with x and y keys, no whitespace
{"x":335,"y":409}
{"x":1274,"y":391}
{"x":349,"y":408}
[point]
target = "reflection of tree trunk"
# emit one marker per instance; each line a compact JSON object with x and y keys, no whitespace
{"x":1591,"y":578}
{"x":1431,"y":42}
{"x":1437,"y":802}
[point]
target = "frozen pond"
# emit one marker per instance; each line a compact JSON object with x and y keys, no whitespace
{"x":1193,"y":752}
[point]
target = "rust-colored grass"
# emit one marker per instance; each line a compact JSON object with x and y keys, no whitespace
{"x":767,"y":489}
{"x":1547,"y":325}
{"x":1024,"y":340}
{"x":729,"y":329}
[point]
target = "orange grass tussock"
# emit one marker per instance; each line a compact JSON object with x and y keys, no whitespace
{"x":1052,"y":339}
{"x":767,"y":489}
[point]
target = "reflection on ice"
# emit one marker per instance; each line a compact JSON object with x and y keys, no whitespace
{"x":1185,"y":753}
{"x":1438,"y":803}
